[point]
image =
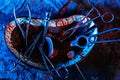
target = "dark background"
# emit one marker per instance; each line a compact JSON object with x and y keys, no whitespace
{"x":103,"y":62}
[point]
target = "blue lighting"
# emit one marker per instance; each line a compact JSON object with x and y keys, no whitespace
{"x":9,"y":64}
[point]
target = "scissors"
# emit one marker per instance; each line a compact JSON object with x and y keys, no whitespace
{"x":73,"y":29}
{"x":103,"y":32}
{"x":103,"y":16}
{"x":68,"y":33}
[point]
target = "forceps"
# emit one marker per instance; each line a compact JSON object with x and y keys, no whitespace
{"x":102,"y":16}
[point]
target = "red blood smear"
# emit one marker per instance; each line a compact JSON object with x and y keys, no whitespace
{"x":54,"y":53}
{"x":70,"y":54}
